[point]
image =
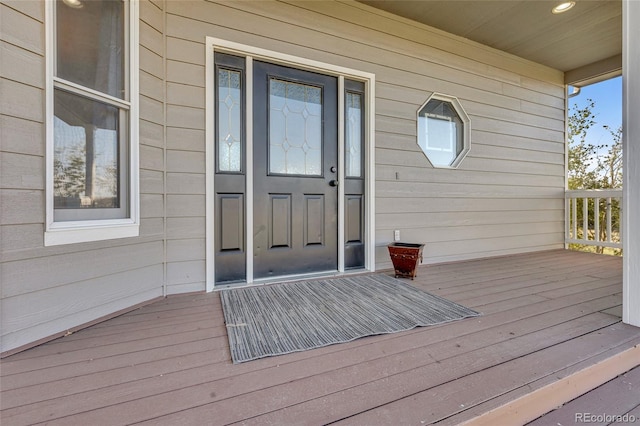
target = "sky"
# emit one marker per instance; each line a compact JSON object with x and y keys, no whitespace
{"x":607,"y":97}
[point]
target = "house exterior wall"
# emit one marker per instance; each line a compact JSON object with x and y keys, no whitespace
{"x":507,"y":196}
{"x":48,"y":290}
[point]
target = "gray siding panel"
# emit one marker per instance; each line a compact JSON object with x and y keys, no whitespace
{"x":185,"y":161}
{"x":153,"y":15}
{"x":20,"y":29}
{"x":18,"y":171}
{"x":182,"y":72}
{"x":151,"y":62}
{"x":21,"y":136}
{"x":21,"y":65}
{"x":185,"y":227}
{"x":58,"y":324}
{"x":151,"y":157}
{"x":185,"y":272}
{"x":27,"y":276}
{"x":185,"y":139}
{"x":152,"y":86}
{"x":80,"y":296}
{"x":21,"y":237}
{"x":185,"y":183}
{"x":185,"y":205}
{"x":151,"y":109}
{"x":21,"y":101}
{"x":186,"y":249}
{"x":152,"y":181}
{"x":186,"y":51}
{"x":151,"y":206}
{"x":151,"y":134}
{"x":32,"y":9}
{"x":185,"y":117}
{"x":21,"y":206}
{"x":152,"y":227}
{"x":184,"y":95}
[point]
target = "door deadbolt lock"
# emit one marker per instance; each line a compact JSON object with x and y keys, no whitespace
{"x":333,"y":169}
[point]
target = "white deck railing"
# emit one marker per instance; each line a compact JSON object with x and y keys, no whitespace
{"x":594,"y":217}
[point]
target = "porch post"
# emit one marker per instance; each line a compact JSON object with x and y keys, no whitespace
{"x":631,"y":151}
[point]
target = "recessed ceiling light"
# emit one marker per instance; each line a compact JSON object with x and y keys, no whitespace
{"x":76,"y":4}
{"x":563,"y":7}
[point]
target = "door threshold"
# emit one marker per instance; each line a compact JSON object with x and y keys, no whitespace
{"x":290,"y":278}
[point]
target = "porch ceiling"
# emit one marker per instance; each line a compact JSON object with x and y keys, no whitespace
{"x":584,"y":42}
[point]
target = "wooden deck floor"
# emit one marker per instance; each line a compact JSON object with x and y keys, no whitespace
{"x":545,"y":316}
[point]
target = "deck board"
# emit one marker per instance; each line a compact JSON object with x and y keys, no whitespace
{"x":304,"y":377}
{"x":474,"y":387}
{"x":169,"y":362}
{"x":525,"y":389}
{"x":615,"y":398}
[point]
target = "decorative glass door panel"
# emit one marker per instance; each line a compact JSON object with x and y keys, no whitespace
{"x":295,"y":128}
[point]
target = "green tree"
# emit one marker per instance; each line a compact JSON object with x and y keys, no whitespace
{"x":610,"y":165}
{"x":589,"y":169}
{"x":582,"y":155}
{"x":69,"y":171}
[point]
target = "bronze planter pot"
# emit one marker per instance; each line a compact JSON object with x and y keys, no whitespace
{"x":405,"y":257}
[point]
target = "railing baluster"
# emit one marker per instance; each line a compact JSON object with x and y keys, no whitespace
{"x":585,"y":218}
{"x":609,"y":237}
{"x":567,"y":213}
{"x":620,"y":217}
{"x":596,"y":218}
{"x":574,"y":201}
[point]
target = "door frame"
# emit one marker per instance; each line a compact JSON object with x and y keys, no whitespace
{"x":251,"y":53}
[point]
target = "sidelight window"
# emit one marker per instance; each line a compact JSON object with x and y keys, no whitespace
{"x":354,"y":133}
{"x":230,"y":118}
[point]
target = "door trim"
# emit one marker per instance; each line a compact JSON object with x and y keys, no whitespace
{"x":253,"y":53}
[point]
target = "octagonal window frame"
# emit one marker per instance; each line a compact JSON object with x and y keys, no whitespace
{"x":466,"y":130}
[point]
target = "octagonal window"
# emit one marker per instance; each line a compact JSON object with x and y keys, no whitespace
{"x":443,"y":131}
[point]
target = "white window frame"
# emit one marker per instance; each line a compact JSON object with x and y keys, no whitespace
{"x":466,"y":132}
{"x":69,"y":232}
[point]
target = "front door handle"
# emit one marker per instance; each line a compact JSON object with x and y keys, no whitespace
{"x":333,"y":182}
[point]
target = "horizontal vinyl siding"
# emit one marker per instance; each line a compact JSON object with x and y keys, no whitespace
{"x":22,"y":129}
{"x":152,"y":129}
{"x":507,"y":195}
{"x":185,"y":164}
{"x":48,"y":290}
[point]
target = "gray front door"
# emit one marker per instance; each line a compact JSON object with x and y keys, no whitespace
{"x":295,"y":141}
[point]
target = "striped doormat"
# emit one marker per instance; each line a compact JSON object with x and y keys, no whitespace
{"x":290,"y":317}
